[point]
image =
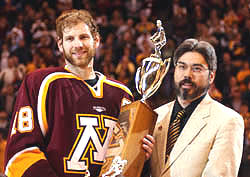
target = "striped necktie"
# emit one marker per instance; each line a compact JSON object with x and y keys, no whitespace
{"x":174,"y":132}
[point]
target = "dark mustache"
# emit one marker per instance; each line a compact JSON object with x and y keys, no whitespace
{"x":187,"y":81}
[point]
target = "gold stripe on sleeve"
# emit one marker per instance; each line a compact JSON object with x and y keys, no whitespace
{"x":20,"y":162}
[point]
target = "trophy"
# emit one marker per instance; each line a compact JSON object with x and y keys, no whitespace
{"x":125,"y":156}
{"x":150,"y":75}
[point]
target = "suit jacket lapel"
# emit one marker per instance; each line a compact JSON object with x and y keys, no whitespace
{"x":192,"y":128}
{"x":163,"y":129}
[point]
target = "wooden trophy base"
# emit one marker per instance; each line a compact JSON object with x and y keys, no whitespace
{"x":135,"y":121}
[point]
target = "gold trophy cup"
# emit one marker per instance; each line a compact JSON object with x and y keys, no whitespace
{"x":125,"y":156}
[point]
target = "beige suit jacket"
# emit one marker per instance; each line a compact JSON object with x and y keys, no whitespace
{"x":210,"y":145}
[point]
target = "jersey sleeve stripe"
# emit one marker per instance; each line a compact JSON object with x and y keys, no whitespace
{"x":115,"y":84}
{"x":41,"y":105}
{"x":21,"y":161}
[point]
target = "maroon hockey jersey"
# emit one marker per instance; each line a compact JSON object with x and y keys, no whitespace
{"x":61,"y":126}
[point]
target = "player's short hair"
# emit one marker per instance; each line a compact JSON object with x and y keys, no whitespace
{"x":70,"y":18}
{"x":202,"y":47}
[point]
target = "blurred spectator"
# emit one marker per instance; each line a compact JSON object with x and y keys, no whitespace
{"x":118,"y":5}
{"x":180,"y":21}
{"x":107,"y":64}
{"x":20,"y":68}
{"x":242,"y":11}
{"x":4,"y":121}
{"x":62,"y":5}
{"x":244,"y":71}
{"x":104,"y":6}
{"x":203,"y":34}
{"x":127,"y":40}
{"x":244,"y":109}
{"x":125,"y":69}
{"x":15,"y":36}
{"x":88,"y":5}
{"x":231,"y":18}
{"x":246,"y":93}
{"x":104,"y":26}
{"x":147,"y":50}
{"x":127,"y":65}
{"x":29,"y":18}
{"x":108,"y":71}
{"x":133,"y":8}
{"x":224,"y":73}
{"x":48,"y":11}
{"x":199,"y":13}
{"x":124,"y":77}
{"x":117,"y":19}
{"x":219,"y":5}
{"x":144,"y":38}
{"x":215,"y":24}
{"x":144,"y":25}
{"x":4,"y":56}
{"x":246,"y":36}
{"x":235,"y":98}
{"x":236,"y":47}
{"x":127,"y":51}
{"x":39,"y":29}
{"x":233,"y":82}
{"x":128,"y":26}
{"x":23,"y":52}
{"x":36,"y":63}
{"x":48,"y":56}
{"x":4,"y":25}
{"x":9,"y":10}
{"x":9,"y":77}
{"x":110,"y":44}
{"x":178,"y":8}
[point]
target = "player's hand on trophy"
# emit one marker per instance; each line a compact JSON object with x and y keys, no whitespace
{"x":148,"y":144}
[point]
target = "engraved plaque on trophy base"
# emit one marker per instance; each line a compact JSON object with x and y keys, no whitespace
{"x":135,"y":121}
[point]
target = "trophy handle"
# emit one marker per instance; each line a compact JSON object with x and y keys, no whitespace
{"x":137,"y":79}
{"x":167,"y":62}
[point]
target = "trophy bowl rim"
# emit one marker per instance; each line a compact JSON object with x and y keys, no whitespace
{"x":152,"y":58}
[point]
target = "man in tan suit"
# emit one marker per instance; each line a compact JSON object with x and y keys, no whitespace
{"x":211,"y":135}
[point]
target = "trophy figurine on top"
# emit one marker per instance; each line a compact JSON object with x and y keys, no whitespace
{"x":125,"y":156}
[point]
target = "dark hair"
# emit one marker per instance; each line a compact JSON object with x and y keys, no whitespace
{"x":202,"y":47}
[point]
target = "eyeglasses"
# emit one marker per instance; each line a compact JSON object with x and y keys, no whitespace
{"x":196,"y":68}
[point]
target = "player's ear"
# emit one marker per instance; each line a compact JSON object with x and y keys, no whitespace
{"x":97,"y":41}
{"x":59,"y":44}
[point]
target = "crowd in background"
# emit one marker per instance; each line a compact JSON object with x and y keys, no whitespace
{"x":28,"y":43}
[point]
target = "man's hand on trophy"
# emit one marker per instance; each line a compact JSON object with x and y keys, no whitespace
{"x":148,"y":144}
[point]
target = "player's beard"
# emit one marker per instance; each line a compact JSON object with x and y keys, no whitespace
{"x":190,"y":94}
{"x":81,"y":61}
